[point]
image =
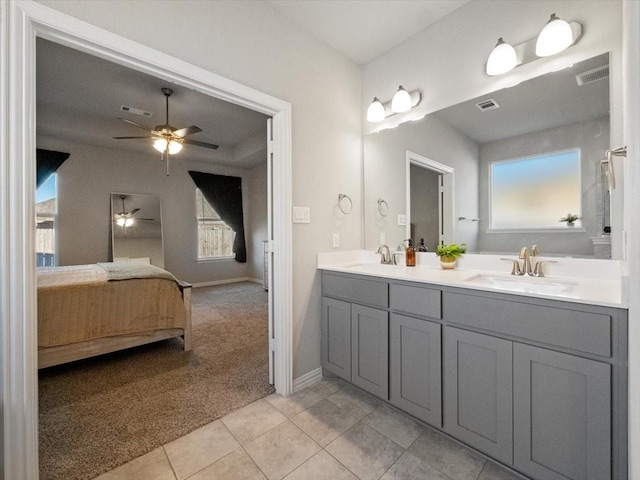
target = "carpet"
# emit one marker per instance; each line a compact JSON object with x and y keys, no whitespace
{"x":99,"y":413}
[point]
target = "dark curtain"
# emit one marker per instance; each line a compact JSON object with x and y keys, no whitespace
{"x":224,"y":194}
{"x":47,"y":162}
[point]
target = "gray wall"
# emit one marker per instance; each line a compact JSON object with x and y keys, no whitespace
{"x":425,"y":206}
{"x":85,"y":183}
{"x":592,"y":137}
{"x":256,"y":221}
{"x":385,"y":177}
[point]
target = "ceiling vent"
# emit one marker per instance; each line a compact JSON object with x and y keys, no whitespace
{"x":135,"y":111}
{"x":593,"y":75}
{"x":489,"y":104}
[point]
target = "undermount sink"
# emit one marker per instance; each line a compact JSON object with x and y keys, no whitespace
{"x":376,"y":268}
{"x":542,"y":286}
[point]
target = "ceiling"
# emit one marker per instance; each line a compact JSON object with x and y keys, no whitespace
{"x":79,"y":98}
{"x":364,"y":29}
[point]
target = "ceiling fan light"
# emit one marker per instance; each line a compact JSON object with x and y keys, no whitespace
{"x":375,"y":112}
{"x":401,"y":101}
{"x":502,"y":59}
{"x":120,"y":221}
{"x":555,"y":37}
{"x":174,"y":147}
{"x":128,"y":222}
{"x":160,"y":144}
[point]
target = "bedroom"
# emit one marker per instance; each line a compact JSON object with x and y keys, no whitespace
{"x":80,"y":117}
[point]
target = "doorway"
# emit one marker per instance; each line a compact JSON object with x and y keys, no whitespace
{"x":21,"y":23}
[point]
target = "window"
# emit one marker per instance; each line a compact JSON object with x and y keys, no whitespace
{"x":535,"y":192}
{"x":215,"y":238}
{"x":46,"y":215}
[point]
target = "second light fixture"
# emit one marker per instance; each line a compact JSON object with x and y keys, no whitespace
{"x":402,"y":101}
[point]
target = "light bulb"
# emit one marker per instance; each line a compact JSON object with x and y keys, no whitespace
{"x":128,"y":222}
{"x":375,"y":112}
{"x":401,"y":101}
{"x":502,"y":59}
{"x":555,"y":37}
{"x":160,"y":144}
{"x":174,"y":147}
{"x":120,"y":221}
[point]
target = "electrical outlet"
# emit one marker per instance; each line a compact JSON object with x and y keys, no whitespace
{"x":383,"y":238}
{"x":402,"y":220}
{"x":336,"y":240}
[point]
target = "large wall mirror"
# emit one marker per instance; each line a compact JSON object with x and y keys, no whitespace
{"x":567,"y":110}
{"x":136,"y":225}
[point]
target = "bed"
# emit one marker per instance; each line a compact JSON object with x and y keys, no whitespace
{"x":89,"y":310}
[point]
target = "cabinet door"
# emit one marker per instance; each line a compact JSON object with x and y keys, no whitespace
{"x":478,"y":391}
{"x":370,"y":350}
{"x":416,"y":367}
{"x":562,"y":415}
{"x":336,"y":337}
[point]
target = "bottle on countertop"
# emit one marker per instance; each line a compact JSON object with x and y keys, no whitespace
{"x":410,"y":254}
{"x":422,"y":247}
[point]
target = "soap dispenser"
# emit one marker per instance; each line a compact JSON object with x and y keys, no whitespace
{"x":422,"y":247}
{"x":410,"y":254}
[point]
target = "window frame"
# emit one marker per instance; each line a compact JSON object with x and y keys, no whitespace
{"x":561,"y":228}
{"x":216,"y":258}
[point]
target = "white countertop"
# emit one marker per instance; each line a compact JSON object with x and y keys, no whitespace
{"x":588,"y":281}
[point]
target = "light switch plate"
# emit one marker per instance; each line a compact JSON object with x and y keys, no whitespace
{"x":336,"y":240}
{"x":402,"y":219}
{"x":301,"y":215}
{"x":383,"y":238}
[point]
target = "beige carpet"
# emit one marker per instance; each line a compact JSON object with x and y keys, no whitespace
{"x":99,"y":413}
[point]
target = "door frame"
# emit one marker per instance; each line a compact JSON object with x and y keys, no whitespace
{"x":446,"y":205}
{"x":21,"y":21}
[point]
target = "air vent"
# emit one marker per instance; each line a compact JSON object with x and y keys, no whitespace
{"x":135,"y":111}
{"x":593,"y":75}
{"x":489,"y":104}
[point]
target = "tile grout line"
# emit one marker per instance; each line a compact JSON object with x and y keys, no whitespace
{"x":175,"y":474}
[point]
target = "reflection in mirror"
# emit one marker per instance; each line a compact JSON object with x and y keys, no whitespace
{"x":559,"y":111}
{"x":136,"y":225}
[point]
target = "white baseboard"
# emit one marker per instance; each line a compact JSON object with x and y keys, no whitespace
{"x":307,"y":379}
{"x":256,"y":280}
{"x":222,"y":282}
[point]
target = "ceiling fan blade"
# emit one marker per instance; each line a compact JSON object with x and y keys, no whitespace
{"x":183,"y":132}
{"x":125,"y":138}
{"x":135,"y":124}
{"x":134,"y":211}
{"x":145,"y":219}
{"x":200,"y":144}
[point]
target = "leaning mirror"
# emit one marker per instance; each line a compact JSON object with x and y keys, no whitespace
{"x":136,"y":225}
{"x":458,"y":175}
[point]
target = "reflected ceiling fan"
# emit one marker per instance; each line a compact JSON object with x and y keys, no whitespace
{"x":168,"y":139}
{"x":126,"y":219}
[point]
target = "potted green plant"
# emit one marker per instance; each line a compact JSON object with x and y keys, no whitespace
{"x":449,"y":253}
{"x":570,"y":219}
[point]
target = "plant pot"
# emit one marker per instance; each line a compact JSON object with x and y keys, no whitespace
{"x":448,"y":263}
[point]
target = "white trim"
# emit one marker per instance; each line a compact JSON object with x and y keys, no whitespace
{"x":224,"y":282}
{"x":21,"y":21}
{"x":562,"y":230}
{"x":307,"y":379}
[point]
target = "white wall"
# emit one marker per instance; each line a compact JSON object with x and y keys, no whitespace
{"x":89,"y":176}
{"x":251,"y":43}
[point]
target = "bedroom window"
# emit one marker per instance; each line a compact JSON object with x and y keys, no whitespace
{"x":215,"y":238}
{"x":546,"y":187}
{"x":46,"y":216}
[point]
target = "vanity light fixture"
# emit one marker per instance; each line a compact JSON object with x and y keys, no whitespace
{"x":556,"y":36}
{"x":503,"y":58}
{"x":402,"y":101}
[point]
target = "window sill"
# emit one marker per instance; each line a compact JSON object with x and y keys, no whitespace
{"x":216,"y":259}
{"x":561,"y":230}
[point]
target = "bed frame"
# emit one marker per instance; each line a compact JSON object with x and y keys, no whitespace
{"x":50,"y":356}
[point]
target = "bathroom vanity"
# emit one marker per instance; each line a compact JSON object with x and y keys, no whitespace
{"x":536,"y":381}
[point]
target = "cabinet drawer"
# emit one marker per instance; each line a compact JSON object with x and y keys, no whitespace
{"x":356,"y":290}
{"x":580,"y":330}
{"x":417,"y":300}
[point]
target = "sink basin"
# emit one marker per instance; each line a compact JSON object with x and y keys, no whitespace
{"x":376,"y":268}
{"x":543,"y":286}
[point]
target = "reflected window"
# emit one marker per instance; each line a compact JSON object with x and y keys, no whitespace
{"x":46,"y":216}
{"x":535,"y":192}
{"x":215,"y":238}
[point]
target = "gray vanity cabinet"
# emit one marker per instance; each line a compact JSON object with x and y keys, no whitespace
{"x":478,"y":391}
{"x":416,"y":367}
{"x":336,"y":337}
{"x":562,"y":419}
{"x":370,"y":350}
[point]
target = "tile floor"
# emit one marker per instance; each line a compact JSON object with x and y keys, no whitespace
{"x":329,"y":430}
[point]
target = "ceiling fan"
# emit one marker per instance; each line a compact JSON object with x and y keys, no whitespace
{"x":168,"y":139}
{"x":126,"y":219}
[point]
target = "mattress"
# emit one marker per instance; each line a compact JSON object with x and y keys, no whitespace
{"x":79,"y":303}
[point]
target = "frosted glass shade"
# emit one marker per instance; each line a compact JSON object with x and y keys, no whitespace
{"x":124,"y":222}
{"x":555,"y":37}
{"x":401,"y":101}
{"x":160,"y":144}
{"x":502,"y":59}
{"x":375,"y":112}
{"x":174,"y":147}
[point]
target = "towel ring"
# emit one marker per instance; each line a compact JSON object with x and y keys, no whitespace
{"x":341,"y":205}
{"x":383,"y":207}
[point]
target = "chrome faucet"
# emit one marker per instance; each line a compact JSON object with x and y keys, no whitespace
{"x":525,"y":256}
{"x":385,"y":254}
{"x":526,"y":260}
